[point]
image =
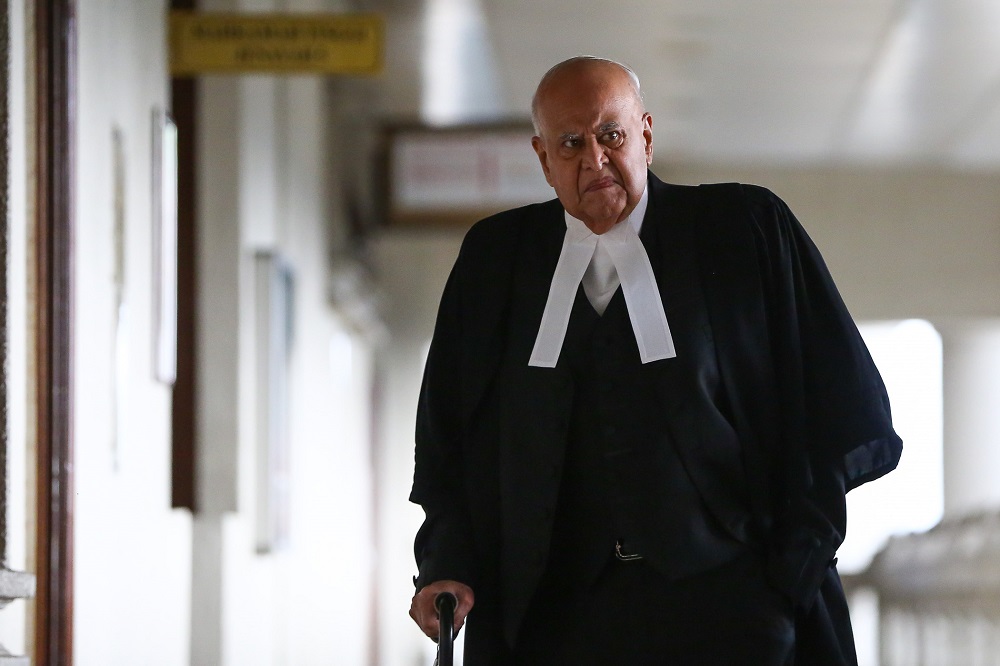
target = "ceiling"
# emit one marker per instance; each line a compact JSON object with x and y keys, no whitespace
{"x":776,"y":81}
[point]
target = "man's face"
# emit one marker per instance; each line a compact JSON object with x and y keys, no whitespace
{"x":595,"y":142}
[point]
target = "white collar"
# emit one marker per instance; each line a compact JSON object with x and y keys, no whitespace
{"x":642,"y":296}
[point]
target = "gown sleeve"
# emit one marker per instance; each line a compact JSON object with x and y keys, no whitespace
{"x":833,"y":395}
{"x":461,"y":363}
{"x":443,"y":546}
{"x":834,"y":423}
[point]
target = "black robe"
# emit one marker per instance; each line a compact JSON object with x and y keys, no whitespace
{"x":801,"y":389}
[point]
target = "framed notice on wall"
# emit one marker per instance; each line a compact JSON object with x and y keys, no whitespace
{"x":274,"y":302}
{"x":457,"y":175}
{"x":164,"y":186}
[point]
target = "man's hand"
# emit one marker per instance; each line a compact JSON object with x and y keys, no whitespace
{"x":425,"y":615}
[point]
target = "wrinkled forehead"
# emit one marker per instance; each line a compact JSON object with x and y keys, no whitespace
{"x":595,"y":90}
{"x":576,"y":109}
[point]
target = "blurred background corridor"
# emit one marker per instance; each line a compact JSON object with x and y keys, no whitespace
{"x":219,"y":286}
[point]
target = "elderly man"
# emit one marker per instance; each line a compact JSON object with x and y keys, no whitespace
{"x":642,"y":408}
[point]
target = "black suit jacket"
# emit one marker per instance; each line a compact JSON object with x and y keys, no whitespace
{"x":803,"y":394}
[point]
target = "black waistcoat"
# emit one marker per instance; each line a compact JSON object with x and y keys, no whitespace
{"x":622,"y":478}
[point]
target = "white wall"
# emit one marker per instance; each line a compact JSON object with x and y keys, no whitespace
{"x":268,"y":180}
{"x":13,"y":619}
{"x":132,"y":562}
{"x":154,"y":586}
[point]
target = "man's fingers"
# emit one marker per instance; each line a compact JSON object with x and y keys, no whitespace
{"x":424,"y":612}
{"x":426,"y":618}
{"x":462,"y":611}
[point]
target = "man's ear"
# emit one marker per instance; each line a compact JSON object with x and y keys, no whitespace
{"x":647,"y":137}
{"x":543,"y":157}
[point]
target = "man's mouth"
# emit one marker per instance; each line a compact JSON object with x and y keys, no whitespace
{"x":600,"y":184}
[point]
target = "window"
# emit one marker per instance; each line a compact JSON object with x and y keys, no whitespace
{"x":911,"y":499}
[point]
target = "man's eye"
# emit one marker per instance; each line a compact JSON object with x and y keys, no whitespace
{"x":571,"y":143}
{"x":614,"y":137}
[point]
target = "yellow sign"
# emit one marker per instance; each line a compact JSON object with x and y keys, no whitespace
{"x":275,"y":43}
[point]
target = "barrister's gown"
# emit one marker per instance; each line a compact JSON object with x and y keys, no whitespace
{"x":797,"y":384}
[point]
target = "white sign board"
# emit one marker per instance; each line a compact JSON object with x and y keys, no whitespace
{"x":457,"y":171}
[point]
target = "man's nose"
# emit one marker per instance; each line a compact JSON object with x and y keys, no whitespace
{"x":594,"y":156}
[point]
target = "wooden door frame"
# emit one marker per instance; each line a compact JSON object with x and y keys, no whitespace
{"x":184,"y":407}
{"x":55,"y":76}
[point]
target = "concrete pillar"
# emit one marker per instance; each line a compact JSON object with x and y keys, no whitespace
{"x":971,"y":379}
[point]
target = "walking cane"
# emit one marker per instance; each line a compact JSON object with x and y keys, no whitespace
{"x":445,"y":604}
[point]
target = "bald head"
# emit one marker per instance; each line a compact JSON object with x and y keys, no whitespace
{"x":578,"y":64}
{"x":593,"y":138}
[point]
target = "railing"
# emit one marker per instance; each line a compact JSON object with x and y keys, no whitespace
{"x":939,"y":594}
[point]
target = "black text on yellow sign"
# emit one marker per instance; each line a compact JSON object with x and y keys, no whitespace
{"x":275,"y":43}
